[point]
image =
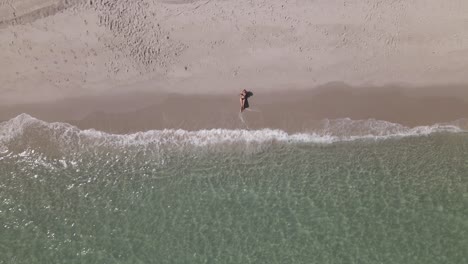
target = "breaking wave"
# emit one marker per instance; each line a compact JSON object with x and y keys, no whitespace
{"x":25,"y":130}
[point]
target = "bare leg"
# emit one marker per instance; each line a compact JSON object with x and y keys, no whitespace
{"x":242,"y":102}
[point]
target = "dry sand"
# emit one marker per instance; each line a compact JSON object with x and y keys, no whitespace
{"x":113,"y":65}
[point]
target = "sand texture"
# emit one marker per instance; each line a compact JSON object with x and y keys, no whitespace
{"x":55,"y":50}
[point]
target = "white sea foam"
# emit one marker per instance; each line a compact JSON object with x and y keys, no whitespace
{"x":328,"y":131}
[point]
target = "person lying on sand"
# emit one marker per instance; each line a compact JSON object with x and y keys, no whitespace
{"x":244,"y":96}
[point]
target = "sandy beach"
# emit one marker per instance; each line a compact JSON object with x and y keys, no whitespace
{"x":125,"y":66}
{"x":122,"y":141}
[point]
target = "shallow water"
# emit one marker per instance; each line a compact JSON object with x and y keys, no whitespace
{"x":66,"y":198}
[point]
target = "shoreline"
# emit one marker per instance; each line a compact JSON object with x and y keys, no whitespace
{"x":291,"y":111}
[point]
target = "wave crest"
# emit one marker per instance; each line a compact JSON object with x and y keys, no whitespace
{"x":351,"y":129}
{"x":28,"y":130}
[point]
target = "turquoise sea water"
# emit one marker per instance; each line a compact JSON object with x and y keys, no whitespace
{"x":73,"y":196}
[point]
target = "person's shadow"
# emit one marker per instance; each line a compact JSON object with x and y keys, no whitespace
{"x":247,"y":95}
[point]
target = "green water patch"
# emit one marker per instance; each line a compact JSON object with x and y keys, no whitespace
{"x":389,"y":201}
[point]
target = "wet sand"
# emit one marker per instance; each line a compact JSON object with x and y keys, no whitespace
{"x":292,"y":111}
